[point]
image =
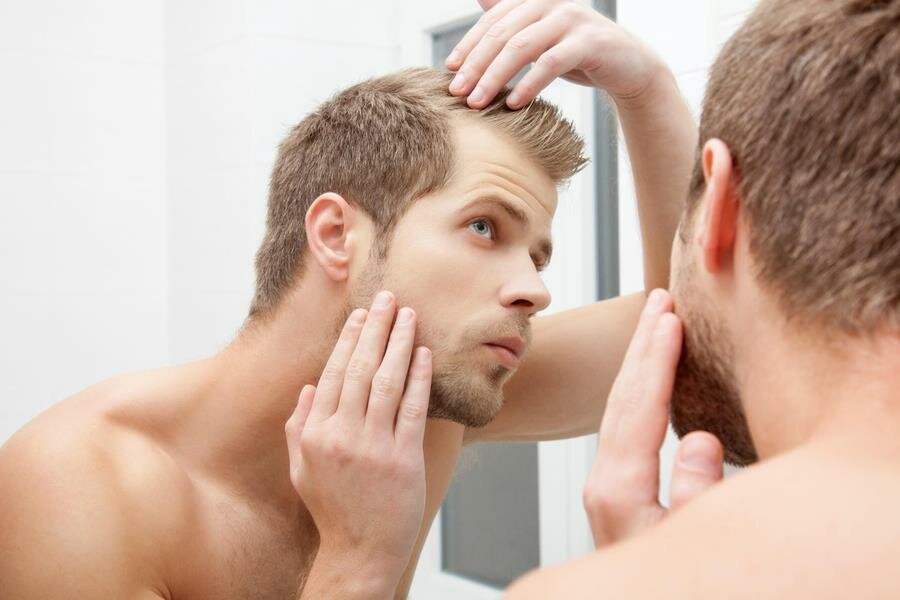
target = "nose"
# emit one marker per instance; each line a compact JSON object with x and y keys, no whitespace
{"x":525,"y":292}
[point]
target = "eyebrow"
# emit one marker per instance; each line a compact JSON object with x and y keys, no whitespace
{"x":545,"y":246}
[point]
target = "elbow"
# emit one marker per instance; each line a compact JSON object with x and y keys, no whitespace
{"x":530,"y":586}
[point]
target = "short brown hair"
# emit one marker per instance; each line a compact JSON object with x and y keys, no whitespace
{"x":381,"y":144}
{"x":807,"y":97}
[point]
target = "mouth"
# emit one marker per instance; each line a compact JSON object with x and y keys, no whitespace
{"x":508,"y":351}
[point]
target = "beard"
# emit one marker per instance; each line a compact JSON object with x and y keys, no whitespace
{"x":705,"y":395}
{"x":464,"y":389}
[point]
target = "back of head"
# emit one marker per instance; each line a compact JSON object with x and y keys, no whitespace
{"x":381,"y":144}
{"x":807,"y":97}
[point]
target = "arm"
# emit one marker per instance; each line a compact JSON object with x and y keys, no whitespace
{"x":621,"y":495}
{"x":560,"y":389}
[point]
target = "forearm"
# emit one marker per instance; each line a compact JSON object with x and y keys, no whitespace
{"x":661,"y":137}
{"x":341,"y":577}
{"x":560,"y":390}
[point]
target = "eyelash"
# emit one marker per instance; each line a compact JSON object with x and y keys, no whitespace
{"x":493,"y":230}
{"x":490,"y":224}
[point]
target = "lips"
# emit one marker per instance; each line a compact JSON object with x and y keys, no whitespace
{"x":516,"y":345}
{"x":508,"y":350}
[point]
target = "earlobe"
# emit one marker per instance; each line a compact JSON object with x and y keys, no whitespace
{"x":719,"y":226}
{"x":328,"y":221}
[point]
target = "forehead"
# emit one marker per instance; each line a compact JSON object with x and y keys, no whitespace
{"x":490,"y":163}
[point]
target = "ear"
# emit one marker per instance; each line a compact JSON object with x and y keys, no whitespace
{"x":719,"y":225}
{"x":328,"y":223}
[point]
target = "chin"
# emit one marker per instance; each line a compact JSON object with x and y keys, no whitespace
{"x":471,"y":401}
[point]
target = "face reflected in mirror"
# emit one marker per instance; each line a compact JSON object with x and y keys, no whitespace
{"x":468,"y":258}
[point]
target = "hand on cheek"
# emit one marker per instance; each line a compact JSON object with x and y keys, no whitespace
{"x":621,"y":496}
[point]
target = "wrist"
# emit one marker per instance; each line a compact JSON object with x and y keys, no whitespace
{"x":351,"y":575}
{"x":659,"y":90}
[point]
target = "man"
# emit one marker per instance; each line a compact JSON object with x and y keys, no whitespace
{"x":786,"y":276}
{"x":175,"y":483}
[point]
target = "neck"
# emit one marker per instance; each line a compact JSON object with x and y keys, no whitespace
{"x":233,"y":430}
{"x":797,"y":389}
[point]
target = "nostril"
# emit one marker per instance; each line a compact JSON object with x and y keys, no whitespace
{"x":525,"y":303}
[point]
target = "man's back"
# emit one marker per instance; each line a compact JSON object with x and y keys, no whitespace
{"x":818,"y":522}
{"x":98,"y":504}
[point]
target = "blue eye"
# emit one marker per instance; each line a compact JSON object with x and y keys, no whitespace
{"x":482,"y":227}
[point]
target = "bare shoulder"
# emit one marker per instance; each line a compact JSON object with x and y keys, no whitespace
{"x":793,"y":527}
{"x":90,"y":497}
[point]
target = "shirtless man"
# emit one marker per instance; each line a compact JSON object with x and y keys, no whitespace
{"x":786,"y":277}
{"x":786,"y":343}
{"x":176,"y":483}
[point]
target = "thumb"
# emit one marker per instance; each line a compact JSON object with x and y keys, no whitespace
{"x":488,"y":4}
{"x":698,"y":466}
{"x":294,"y":427}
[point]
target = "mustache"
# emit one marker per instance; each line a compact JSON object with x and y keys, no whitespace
{"x":519,"y":327}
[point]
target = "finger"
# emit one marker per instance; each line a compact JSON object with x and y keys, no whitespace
{"x":332,"y":379}
{"x":293,"y":429}
{"x":410,"y":430}
{"x":390,"y":379}
{"x":658,"y":302}
{"x":465,"y":45}
{"x":555,"y":61}
{"x":507,"y":32}
{"x":366,"y":357}
{"x":638,"y":407}
{"x":698,"y":466}
{"x":630,"y":438}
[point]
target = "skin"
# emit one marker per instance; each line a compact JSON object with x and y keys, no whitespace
{"x":177,"y":483}
{"x":822,"y":409}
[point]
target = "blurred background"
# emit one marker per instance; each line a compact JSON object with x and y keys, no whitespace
{"x":136,"y":139}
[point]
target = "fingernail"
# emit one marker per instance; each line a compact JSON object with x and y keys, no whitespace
{"x":655,"y":299}
{"x":424,"y":354}
{"x":357,"y":316}
{"x":697,"y":456}
{"x":513,"y":100}
{"x":458,"y":83}
{"x":382,"y":300}
{"x":476,"y":96}
{"x":405,"y":316}
{"x":453,"y":57}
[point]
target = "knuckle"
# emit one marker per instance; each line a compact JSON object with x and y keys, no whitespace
{"x":412,"y":410}
{"x":358,"y":370}
{"x":403,"y":468}
{"x":488,"y":19}
{"x":332,"y":371}
{"x":309,"y":442}
{"x":340,"y":452}
{"x":496,"y":31}
{"x":520,"y":41}
{"x":295,"y":476}
{"x":591,"y":497}
{"x":550,"y":60}
{"x":569,"y":12}
{"x":384,"y":387}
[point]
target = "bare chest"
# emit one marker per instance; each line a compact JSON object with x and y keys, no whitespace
{"x":239,"y":555}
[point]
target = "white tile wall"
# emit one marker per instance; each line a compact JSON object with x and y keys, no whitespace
{"x":137,"y":138}
{"x":82,"y":189}
{"x":231,"y":97}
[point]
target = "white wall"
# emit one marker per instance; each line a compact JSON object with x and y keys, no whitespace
{"x":239,"y":74}
{"x":82,"y":183}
